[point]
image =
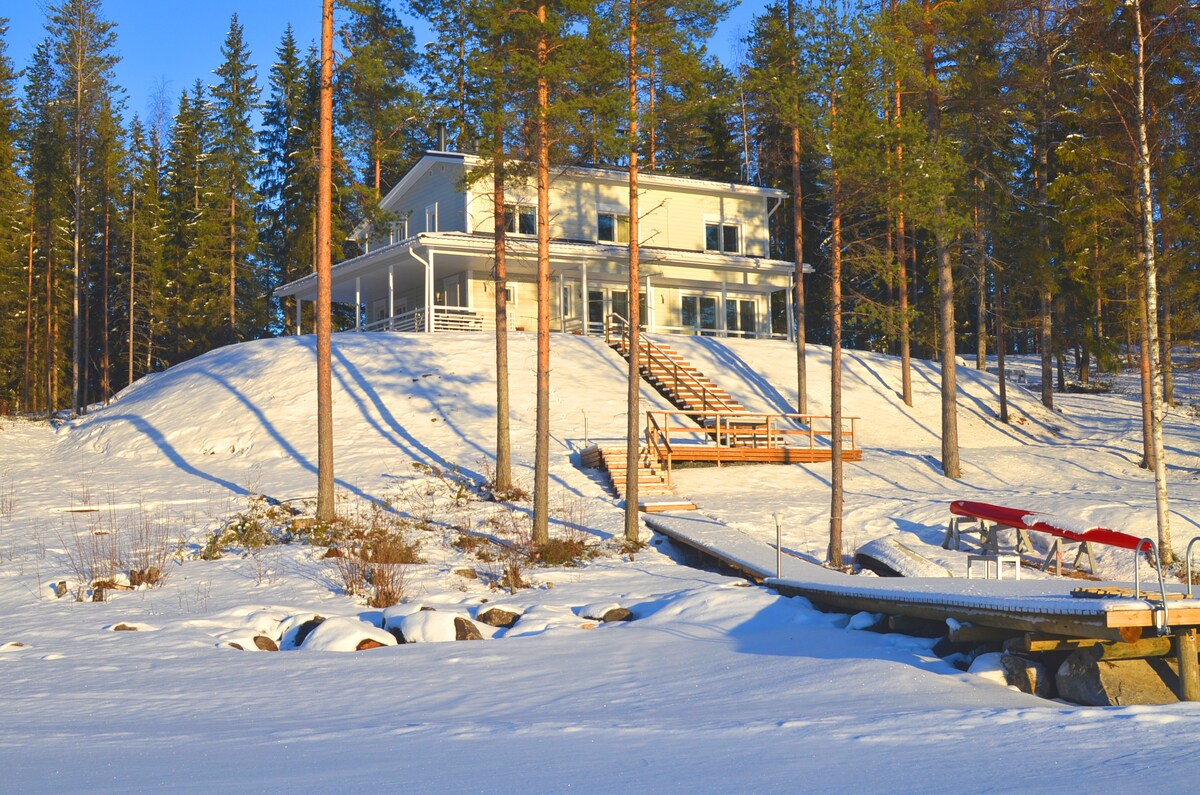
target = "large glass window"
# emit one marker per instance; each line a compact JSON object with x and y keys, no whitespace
{"x":725,"y":238}
{"x":740,"y":317}
{"x":699,"y":314}
{"x":520,"y":219}
{"x":612,"y":228}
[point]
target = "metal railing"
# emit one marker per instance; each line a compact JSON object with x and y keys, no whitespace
{"x":651,"y":356}
{"x":445,"y":318}
{"x":1165,"y":626}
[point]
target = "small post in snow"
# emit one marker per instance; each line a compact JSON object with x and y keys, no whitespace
{"x":778,"y":547}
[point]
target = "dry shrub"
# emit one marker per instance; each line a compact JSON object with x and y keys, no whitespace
{"x":514,"y":492}
{"x":149,"y":548}
{"x":561,"y":551}
{"x":93,"y":557}
{"x":264,"y":522}
{"x":373,"y":551}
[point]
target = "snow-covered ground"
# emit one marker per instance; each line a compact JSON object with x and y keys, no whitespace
{"x":714,"y":686}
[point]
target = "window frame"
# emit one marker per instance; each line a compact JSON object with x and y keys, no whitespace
{"x":515,"y":213}
{"x":723,"y":228}
{"x":616,"y":216}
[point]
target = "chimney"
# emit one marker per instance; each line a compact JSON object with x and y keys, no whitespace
{"x":441,"y":136}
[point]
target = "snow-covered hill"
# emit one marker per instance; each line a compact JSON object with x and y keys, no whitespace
{"x":713,"y":686}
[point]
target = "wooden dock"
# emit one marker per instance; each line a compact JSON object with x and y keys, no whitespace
{"x":1038,"y":606}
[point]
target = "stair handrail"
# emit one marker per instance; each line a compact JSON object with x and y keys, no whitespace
{"x":1137,"y":582}
{"x":1188,"y":558}
{"x":666,"y":361}
{"x":655,"y":437}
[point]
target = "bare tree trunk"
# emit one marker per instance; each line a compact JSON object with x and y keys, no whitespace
{"x":26,"y":405}
{"x":1001,"y":350}
{"x":233,"y":335}
{"x":132,"y":264}
{"x":105,"y":350}
{"x":798,"y":239}
{"x":837,"y":486}
{"x":951,"y":467}
{"x":1168,"y":368}
{"x":324,"y":254}
{"x":79,"y":359}
{"x":1165,"y":550}
{"x":980,"y":285}
{"x":633,"y":396}
{"x":503,"y":480}
{"x":541,"y":455}
{"x":1144,"y":371}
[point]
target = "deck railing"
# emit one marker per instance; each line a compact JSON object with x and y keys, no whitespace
{"x":726,"y":430}
{"x":445,"y":318}
{"x":658,"y":445}
{"x":675,"y":376}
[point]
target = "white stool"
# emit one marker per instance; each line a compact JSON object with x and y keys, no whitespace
{"x":994,"y":563}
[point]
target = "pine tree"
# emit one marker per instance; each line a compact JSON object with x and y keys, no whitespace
{"x":377,"y":105}
{"x":83,"y":42}
{"x":16,"y":271}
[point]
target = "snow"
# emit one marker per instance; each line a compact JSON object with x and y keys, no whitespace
{"x":715,"y":684}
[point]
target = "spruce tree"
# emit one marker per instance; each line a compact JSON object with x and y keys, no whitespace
{"x":286,"y":179}
{"x":235,"y":163}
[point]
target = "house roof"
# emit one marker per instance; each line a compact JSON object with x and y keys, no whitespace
{"x":602,"y":173}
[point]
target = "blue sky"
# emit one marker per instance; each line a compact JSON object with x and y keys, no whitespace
{"x":165,"y":45}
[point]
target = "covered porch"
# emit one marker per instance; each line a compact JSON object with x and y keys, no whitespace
{"x":444,"y":282}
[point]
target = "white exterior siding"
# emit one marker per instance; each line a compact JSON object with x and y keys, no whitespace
{"x":440,"y":187}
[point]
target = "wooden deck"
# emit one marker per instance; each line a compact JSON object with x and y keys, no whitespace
{"x":758,"y":455}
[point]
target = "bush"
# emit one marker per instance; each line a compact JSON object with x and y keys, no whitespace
{"x":372,"y":552}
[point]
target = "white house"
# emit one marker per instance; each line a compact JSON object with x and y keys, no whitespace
{"x":705,"y":260}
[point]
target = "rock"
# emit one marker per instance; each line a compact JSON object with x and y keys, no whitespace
{"x":1117,"y":683}
{"x":616,"y":614}
{"x":237,"y":646}
{"x":1026,"y":675}
{"x":588,"y":625}
{"x":60,"y":589}
{"x":467,"y":574}
{"x":465,"y":629}
{"x":124,"y":628}
{"x":427,"y":609}
{"x":397,"y":634}
{"x":368,"y":643}
{"x":265,"y":644}
{"x":304,"y":629}
{"x":497,"y":617}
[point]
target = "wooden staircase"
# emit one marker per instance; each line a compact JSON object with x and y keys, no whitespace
{"x":654,"y":490}
{"x":676,"y":379}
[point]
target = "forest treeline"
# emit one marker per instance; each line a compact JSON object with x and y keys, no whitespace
{"x":980,"y":152}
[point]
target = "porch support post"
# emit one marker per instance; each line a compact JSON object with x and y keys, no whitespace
{"x":358,"y":303}
{"x":724,"y":318}
{"x":391,"y":293}
{"x":429,"y":292}
{"x":562,"y":303}
{"x":299,"y":315}
{"x":649,"y":305}
{"x":791,"y":316}
{"x":583,"y":290}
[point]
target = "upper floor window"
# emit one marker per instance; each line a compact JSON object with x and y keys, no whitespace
{"x":725,"y":238}
{"x":520,"y":219}
{"x":612,"y":228}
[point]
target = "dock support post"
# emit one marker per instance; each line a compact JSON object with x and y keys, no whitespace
{"x":1189,"y":668}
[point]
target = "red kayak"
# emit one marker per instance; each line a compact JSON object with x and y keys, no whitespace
{"x":1044,"y":523}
